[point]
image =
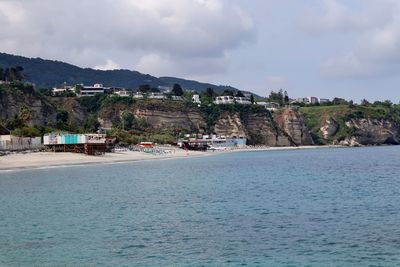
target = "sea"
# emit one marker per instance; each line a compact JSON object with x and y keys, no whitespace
{"x":313,"y":207}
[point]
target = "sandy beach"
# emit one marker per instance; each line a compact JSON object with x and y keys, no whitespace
{"x":20,"y":161}
{"x":50,"y":159}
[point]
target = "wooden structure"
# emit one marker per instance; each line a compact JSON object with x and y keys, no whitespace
{"x":89,"y":144}
{"x":88,"y":149}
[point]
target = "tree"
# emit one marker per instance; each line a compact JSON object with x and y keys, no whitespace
{"x":252,"y":98}
{"x":25,"y":114}
{"x":19,"y":75}
{"x":228,"y":92}
{"x":78,"y":88}
{"x":210,"y":92}
{"x":128,"y":120}
{"x":1,"y":74}
{"x":177,"y":90}
{"x":276,"y":97}
{"x":239,"y":94}
{"x":339,"y":101}
{"x":285,"y":97}
{"x":364,"y":102}
{"x":91,"y":123}
{"x":62,"y":119}
{"x":7,"y":75}
{"x":144,"y":88}
{"x":12,"y":74}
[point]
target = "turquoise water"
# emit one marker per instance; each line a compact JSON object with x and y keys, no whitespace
{"x":324,"y":207}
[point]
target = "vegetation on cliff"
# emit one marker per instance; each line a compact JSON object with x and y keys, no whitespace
{"x":339,"y":116}
{"x":26,"y":111}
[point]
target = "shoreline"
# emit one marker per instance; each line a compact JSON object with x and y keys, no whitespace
{"x":47,"y":160}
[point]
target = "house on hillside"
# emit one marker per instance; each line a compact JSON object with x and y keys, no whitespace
{"x":324,"y":100}
{"x":157,"y":95}
{"x":62,"y":89}
{"x":196,"y":99}
{"x":122,"y":93}
{"x":313,"y":99}
{"x":224,"y":100}
{"x":271,"y":106}
{"x":138,"y":95}
{"x":91,"y":90}
{"x":242,"y":100}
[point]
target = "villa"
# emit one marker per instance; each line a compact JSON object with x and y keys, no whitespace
{"x":91,"y":90}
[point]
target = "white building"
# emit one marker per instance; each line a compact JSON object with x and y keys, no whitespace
{"x":271,"y":106}
{"x":242,"y":100}
{"x":165,"y":89}
{"x":196,"y":99}
{"x":138,"y":95}
{"x":324,"y":100}
{"x":64,"y":88}
{"x":122,"y":93}
{"x":312,"y":99}
{"x":223,"y":100}
{"x":156,"y":95}
{"x":91,"y":90}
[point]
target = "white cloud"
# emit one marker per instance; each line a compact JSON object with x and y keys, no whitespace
{"x":109,"y":65}
{"x":83,"y":32}
{"x":277,"y":82}
{"x":375,"y":26}
{"x":346,"y":66}
{"x":190,"y":67}
{"x":339,"y":16}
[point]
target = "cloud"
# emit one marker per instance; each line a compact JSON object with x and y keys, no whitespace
{"x":164,"y":64}
{"x":134,"y":32}
{"x":340,"y":16}
{"x":109,"y":65}
{"x":276,"y":82}
{"x":346,"y":66}
{"x":375,"y":28}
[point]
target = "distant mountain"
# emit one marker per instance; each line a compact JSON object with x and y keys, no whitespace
{"x":50,"y":73}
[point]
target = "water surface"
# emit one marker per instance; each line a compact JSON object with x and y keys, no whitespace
{"x":323,"y":207}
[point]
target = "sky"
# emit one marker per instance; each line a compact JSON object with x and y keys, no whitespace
{"x":323,"y":48}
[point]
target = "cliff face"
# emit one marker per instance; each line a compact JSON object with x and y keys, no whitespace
{"x":76,"y":112}
{"x":292,"y":122}
{"x":345,"y":125}
{"x":38,"y":110}
{"x":372,"y":132}
{"x":262,"y":130}
{"x":189,"y":120}
{"x":230,"y":125}
{"x":153,"y":118}
{"x":284,"y":129}
{"x":354,"y":125}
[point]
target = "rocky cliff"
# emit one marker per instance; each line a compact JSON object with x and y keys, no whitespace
{"x":26,"y":104}
{"x":155,"y":116}
{"x":354,"y":126}
{"x":345,"y":125}
{"x":292,"y":123}
{"x":282,"y":129}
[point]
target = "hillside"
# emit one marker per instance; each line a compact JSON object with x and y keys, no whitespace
{"x":25,"y":110}
{"x":354,"y":124}
{"x":50,"y":73}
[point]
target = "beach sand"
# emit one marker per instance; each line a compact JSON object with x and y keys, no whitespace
{"x":19,"y":161}
{"x":51,"y":159}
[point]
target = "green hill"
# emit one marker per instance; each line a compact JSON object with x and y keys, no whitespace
{"x":50,"y":73}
